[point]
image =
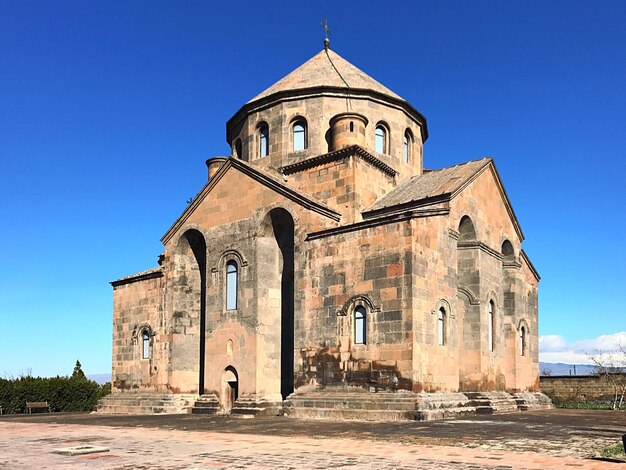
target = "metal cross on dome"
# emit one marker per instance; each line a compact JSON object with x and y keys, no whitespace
{"x":327,"y":31}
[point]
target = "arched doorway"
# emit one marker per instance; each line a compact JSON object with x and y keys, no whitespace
{"x":230,"y":389}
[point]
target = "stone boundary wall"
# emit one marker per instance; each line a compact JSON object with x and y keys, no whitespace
{"x":578,"y":387}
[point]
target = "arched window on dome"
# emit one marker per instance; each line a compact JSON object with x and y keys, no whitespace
{"x":263,"y":139}
{"x":299,"y":135}
{"x":407,"y":146}
{"x":231,"y":285}
{"x":359,"y":325}
{"x":381,"y":139}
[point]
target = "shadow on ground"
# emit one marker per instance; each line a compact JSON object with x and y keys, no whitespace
{"x":556,"y":432}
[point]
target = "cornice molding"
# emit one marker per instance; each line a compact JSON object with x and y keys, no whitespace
{"x":258,"y":176}
{"x":326,"y":91}
{"x":469,"y":245}
{"x":388,"y":219}
{"x":530,"y":265}
{"x":338,"y":155}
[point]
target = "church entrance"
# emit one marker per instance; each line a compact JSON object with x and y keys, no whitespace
{"x":230,"y":389}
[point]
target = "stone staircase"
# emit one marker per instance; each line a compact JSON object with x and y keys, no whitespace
{"x":248,"y":406}
{"x":351,"y":403}
{"x":206,"y":405}
{"x":361,"y":404}
{"x":143,"y":403}
{"x":532,"y":401}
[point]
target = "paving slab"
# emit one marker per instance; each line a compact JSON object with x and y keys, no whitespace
{"x":554,"y":439}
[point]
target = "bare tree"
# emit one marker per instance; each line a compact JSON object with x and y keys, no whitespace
{"x":612,"y":367}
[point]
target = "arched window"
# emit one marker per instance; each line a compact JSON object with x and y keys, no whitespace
{"x":508,"y":253}
{"x":231,"y":285}
{"x":359,"y":325}
{"x":490,"y":324}
{"x":380,"y":138}
{"x":408,"y":145}
{"x":441,"y":326}
{"x":145,"y":343}
{"x":264,"y":140}
{"x":466,"y":229}
{"x":522,"y":341}
{"x":299,"y":135}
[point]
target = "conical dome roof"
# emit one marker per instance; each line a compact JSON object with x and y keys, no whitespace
{"x":326,"y":69}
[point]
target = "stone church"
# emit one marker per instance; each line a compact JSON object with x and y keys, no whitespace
{"x":323,"y":271}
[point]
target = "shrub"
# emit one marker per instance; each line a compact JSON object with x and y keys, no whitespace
{"x":62,"y":393}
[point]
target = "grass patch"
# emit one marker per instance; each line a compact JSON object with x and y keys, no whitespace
{"x":576,"y":405}
{"x":615,"y":452}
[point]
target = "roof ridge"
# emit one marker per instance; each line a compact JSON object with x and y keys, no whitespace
{"x":326,"y":69}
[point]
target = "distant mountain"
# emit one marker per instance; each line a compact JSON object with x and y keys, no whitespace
{"x":100,"y":378}
{"x":558,"y":368}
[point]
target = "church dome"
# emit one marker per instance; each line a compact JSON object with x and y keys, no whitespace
{"x":326,"y":69}
{"x":296,"y":116}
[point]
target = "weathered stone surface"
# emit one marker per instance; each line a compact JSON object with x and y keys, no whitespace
{"x":353,"y":268}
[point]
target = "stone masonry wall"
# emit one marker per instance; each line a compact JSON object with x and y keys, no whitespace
{"x":580,"y":388}
{"x":512,"y":289}
{"x":137,"y":305}
{"x":370,"y":267}
{"x":318,"y":111}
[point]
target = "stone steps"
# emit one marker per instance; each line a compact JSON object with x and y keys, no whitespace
{"x":145,"y":403}
{"x":355,"y":403}
{"x":361,"y":404}
{"x":206,"y":404}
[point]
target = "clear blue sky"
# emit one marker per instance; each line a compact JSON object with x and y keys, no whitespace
{"x":109,"y":109}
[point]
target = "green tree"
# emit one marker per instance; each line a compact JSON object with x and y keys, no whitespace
{"x":78,"y":371}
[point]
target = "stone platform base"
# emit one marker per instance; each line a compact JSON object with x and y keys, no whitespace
{"x":244,"y":405}
{"x":145,"y":403}
{"x":360,"y":404}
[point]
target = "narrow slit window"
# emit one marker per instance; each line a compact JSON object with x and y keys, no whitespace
{"x":408,"y":144}
{"x":231,"y":285}
{"x":490,"y":326}
{"x":441,"y":326}
{"x":145,"y":342}
{"x":522,"y":341}
{"x":359,"y":325}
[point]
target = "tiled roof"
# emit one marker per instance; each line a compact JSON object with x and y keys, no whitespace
{"x":326,"y":68}
{"x":138,"y":276}
{"x":431,"y":184}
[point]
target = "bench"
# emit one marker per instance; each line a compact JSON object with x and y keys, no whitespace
{"x":30,"y":405}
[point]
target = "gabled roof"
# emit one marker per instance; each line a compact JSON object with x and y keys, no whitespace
{"x":430,"y":184}
{"x":436,"y":186}
{"x":141,"y":276}
{"x":353,"y":150}
{"x":327,"y":69}
{"x":261,"y":175}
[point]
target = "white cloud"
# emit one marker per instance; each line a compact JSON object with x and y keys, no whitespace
{"x":551,"y":343}
{"x":554,"y":348}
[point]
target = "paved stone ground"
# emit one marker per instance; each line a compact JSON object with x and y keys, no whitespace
{"x":531,"y":440}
